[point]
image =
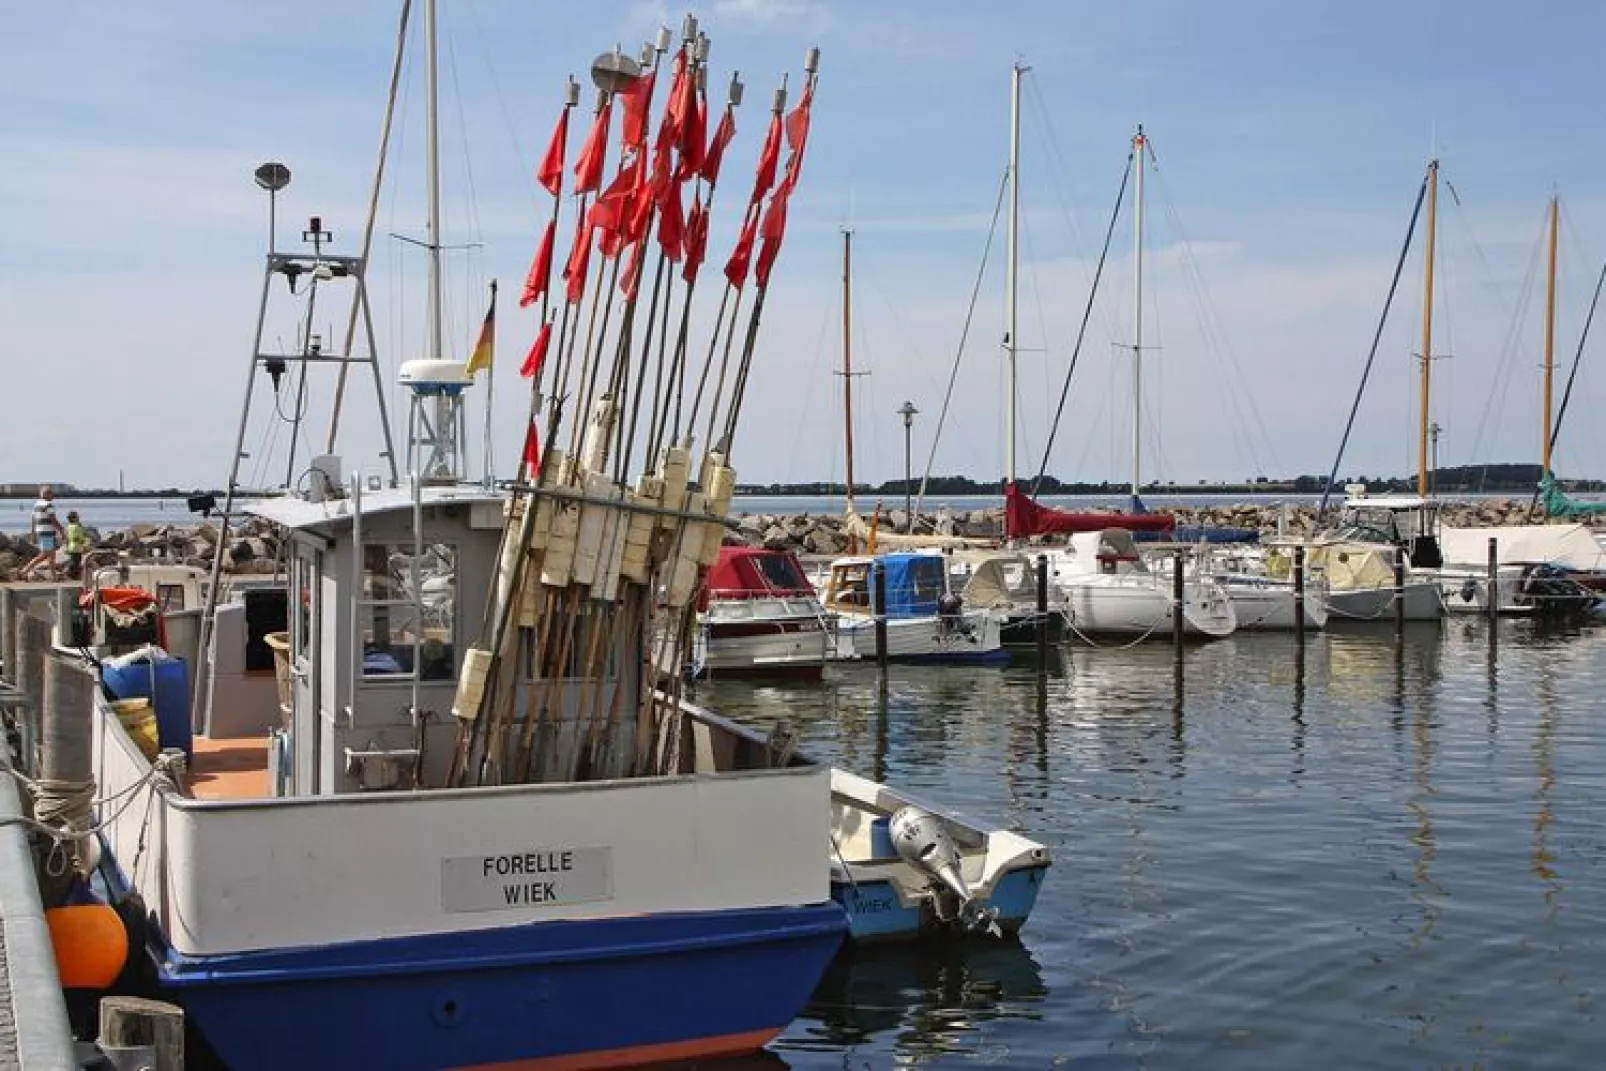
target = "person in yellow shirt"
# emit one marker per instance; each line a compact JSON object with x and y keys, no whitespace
{"x":77,"y":545}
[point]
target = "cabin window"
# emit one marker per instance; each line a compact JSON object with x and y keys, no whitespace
{"x":301,"y":581}
{"x":779,"y":572}
{"x":851,"y":585}
{"x":403,"y":630}
{"x":925,"y":580}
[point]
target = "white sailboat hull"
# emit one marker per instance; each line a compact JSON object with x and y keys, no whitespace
{"x":1421,"y":598}
{"x":1140,"y":605}
{"x":1268,"y":605}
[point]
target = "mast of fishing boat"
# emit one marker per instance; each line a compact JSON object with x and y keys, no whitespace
{"x":1427,"y":326}
{"x":433,"y":166}
{"x":1139,"y":144}
{"x":1009,"y":278}
{"x":1550,"y":332}
{"x":847,"y":353}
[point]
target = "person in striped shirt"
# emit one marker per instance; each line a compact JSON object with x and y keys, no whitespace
{"x":47,"y":536}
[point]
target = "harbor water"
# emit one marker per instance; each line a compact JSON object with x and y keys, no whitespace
{"x":1377,"y":855}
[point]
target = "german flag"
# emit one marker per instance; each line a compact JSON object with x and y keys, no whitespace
{"x":484,"y":349}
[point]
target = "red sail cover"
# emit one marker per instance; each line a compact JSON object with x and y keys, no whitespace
{"x":1024,"y":517}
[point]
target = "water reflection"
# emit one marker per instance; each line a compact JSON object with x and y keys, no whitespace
{"x":1263,"y":855}
{"x":920,"y":1000}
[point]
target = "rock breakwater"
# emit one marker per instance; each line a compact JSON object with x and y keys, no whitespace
{"x":816,"y":534}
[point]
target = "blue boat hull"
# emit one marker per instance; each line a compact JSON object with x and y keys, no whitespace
{"x":875,"y":913}
{"x":603,"y":993}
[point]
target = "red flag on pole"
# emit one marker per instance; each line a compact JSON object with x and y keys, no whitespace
{"x":537,"y":355}
{"x":768,"y":158}
{"x":774,"y":229}
{"x":636,"y":98}
{"x":535,"y":283}
{"x":696,"y":240}
{"x":588,"y":168}
{"x":671,"y":223}
{"x":550,"y":173}
{"x":693,"y":132}
{"x":532,"y":452}
{"x":736,"y":266}
{"x":630,"y":280}
{"x":612,"y":209}
{"x":797,"y":135}
{"x":716,"y":147}
{"x":640,"y":213}
{"x":682,"y":100}
{"x":797,"y":124}
{"x":574,"y":270}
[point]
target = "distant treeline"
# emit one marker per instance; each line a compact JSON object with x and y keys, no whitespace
{"x":1462,"y":479}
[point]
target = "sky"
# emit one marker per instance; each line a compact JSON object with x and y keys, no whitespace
{"x":1289,"y":143}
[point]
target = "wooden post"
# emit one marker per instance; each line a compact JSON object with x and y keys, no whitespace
{"x":1491,"y":598}
{"x":137,"y":1023}
{"x":1299,"y":595}
{"x":1399,"y":592}
{"x":1176,"y":601}
{"x":880,"y":575}
{"x":1042,"y":610}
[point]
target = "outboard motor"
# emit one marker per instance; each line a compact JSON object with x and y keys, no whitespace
{"x":951,"y":613}
{"x":921,"y":841}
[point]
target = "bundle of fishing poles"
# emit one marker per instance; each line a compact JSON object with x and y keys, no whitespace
{"x":576,"y":672}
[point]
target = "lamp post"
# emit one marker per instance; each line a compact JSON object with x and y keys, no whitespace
{"x":907,"y":411}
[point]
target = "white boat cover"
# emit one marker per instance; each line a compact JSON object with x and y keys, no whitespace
{"x":1571,"y":546}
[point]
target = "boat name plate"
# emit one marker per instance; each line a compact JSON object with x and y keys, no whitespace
{"x":534,"y":877}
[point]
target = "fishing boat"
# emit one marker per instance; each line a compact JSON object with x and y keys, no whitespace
{"x":759,"y":616}
{"x":924,"y":620}
{"x":453,"y":829}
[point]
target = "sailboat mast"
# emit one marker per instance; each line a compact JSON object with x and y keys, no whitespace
{"x":433,"y":153}
{"x":1009,"y":277}
{"x":1427,"y":326}
{"x":1550,"y":333}
{"x":847,"y":353}
{"x":1139,"y":144}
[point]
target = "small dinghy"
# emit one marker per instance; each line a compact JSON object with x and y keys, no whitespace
{"x":905,"y":868}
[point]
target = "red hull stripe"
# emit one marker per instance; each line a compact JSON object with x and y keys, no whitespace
{"x":635,"y":1055}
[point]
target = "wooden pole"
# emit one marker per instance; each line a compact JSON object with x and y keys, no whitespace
{"x":1176,"y":601}
{"x":1299,"y":595}
{"x":1427,"y":325}
{"x":1042,"y":612}
{"x":1491,"y":599}
{"x":1550,"y":337}
{"x":1399,"y":592}
{"x":138,"y":1023}
{"x":847,"y":354}
{"x":880,"y":607}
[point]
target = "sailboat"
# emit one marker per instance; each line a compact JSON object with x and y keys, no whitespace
{"x":924,"y":620}
{"x":1531,"y":562}
{"x":1106,"y":587}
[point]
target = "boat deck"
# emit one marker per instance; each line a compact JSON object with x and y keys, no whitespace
{"x":231,"y":769}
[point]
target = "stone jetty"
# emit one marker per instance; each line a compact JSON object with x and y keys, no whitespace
{"x":253,"y":547}
{"x":815,"y":535}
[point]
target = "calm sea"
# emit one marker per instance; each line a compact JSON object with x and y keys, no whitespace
{"x":1376,"y":856}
